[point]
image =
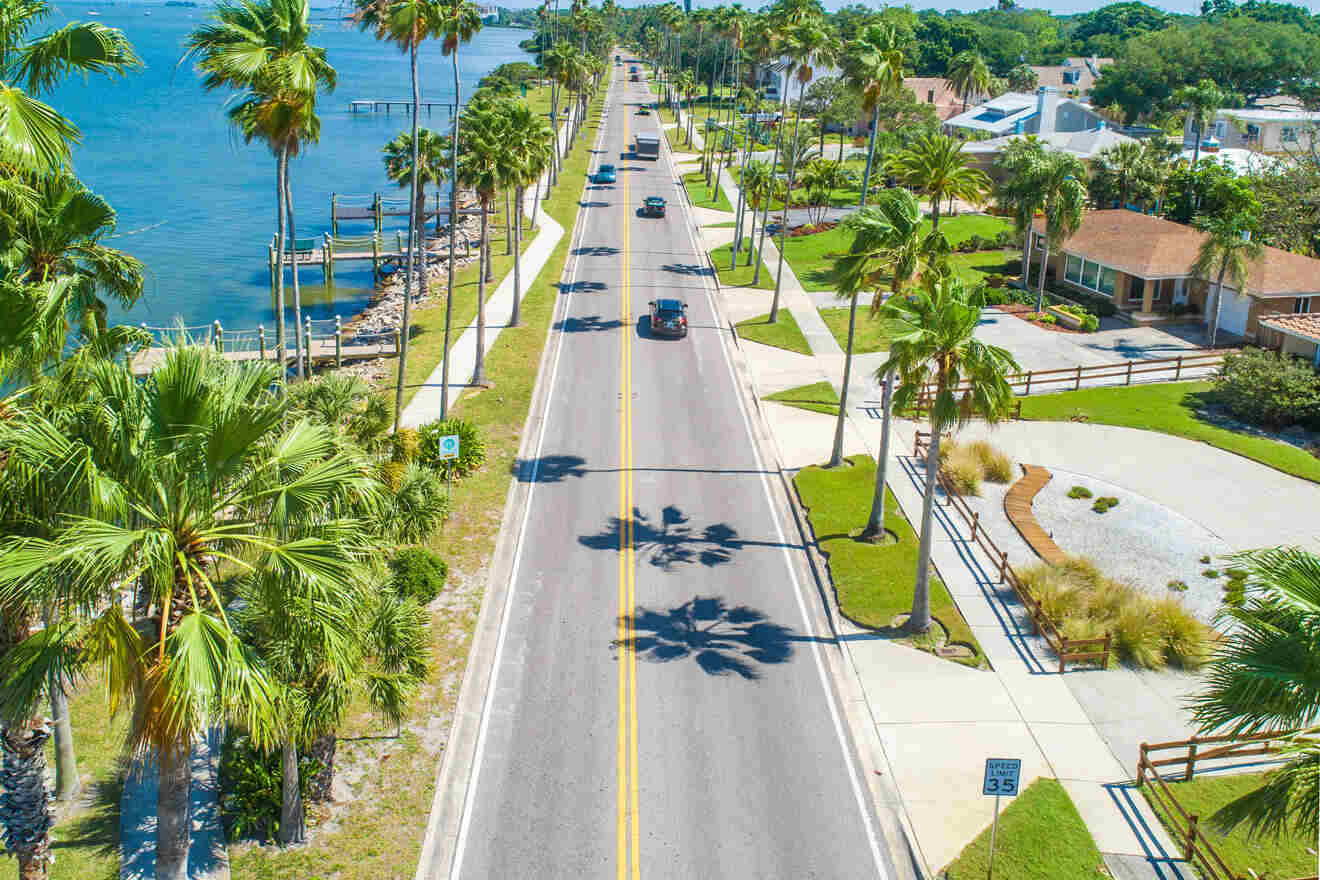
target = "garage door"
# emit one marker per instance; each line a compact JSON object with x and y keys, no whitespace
{"x":1233,"y":316}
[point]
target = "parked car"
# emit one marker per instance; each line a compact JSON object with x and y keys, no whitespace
{"x":643,"y":110}
{"x":605,"y":174}
{"x":669,"y":317}
{"x":633,"y":77}
{"x":653,"y":206}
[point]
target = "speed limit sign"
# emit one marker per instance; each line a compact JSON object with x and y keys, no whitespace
{"x":1001,"y":776}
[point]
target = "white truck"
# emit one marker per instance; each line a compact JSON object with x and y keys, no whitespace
{"x":648,"y":146}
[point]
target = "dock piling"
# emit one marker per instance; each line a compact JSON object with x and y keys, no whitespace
{"x":307,"y":345}
{"x":339,"y":343}
{"x":334,"y":213}
{"x":261,"y":341}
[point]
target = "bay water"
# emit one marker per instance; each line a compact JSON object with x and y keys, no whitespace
{"x":197,"y":205}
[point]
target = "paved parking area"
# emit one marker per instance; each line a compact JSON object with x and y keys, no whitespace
{"x":1039,"y":349}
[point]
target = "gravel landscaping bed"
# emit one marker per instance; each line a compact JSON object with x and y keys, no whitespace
{"x":1138,"y":541}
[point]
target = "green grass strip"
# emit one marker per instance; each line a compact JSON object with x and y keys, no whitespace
{"x":700,"y":193}
{"x":742,"y":275}
{"x":818,"y":397}
{"x":869,"y":336}
{"x":784,"y":333}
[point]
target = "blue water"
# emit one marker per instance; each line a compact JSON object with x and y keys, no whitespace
{"x":197,"y":205}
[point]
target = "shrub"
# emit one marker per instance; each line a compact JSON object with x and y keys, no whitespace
{"x":1079,"y":492}
{"x":1102,"y":505}
{"x":1006,"y":238}
{"x":965,"y":465}
{"x":471,"y":448}
{"x":963,"y":473}
{"x":1236,"y":574}
{"x":1041,"y":317}
{"x":1177,"y":586}
{"x":250,"y":784}
{"x":994,"y":280}
{"x":404,"y":445}
{"x":995,"y":465}
{"x":418,"y":574}
{"x":1210,"y":573}
{"x":418,"y":506}
{"x":1205,"y":560}
{"x":1269,"y":389}
{"x":1235,"y":593}
{"x":995,"y":295}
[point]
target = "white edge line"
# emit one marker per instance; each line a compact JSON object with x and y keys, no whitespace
{"x":479,"y":751}
{"x":853,"y":771}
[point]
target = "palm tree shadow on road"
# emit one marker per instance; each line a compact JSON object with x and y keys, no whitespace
{"x":670,"y":540}
{"x":722,"y":640}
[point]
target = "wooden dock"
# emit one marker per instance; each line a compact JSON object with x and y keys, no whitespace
{"x":347,"y":208}
{"x":375,"y":105}
{"x":320,"y":346}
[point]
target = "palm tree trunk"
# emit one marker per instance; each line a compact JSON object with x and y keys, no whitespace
{"x":770,"y":196}
{"x":25,"y":806}
{"x":453,"y":235}
{"x":875,"y":523}
{"x":293,"y":820}
{"x":536,"y":201}
{"x":742,"y":208}
{"x":406,"y":321}
{"x":554,"y":124}
{"x":479,"y":369}
{"x":67,"y":783}
{"x":751,"y":238}
{"x":934,"y":211}
{"x":420,"y":208}
{"x":279,"y":262}
{"x":788,"y":200}
{"x":489,"y":272}
{"x":508,"y":231}
{"x":1044,"y":264}
{"x":836,"y":454}
{"x":1219,"y":305}
{"x":919,"y":620}
{"x":515,"y":318}
{"x":293,"y":254}
{"x":1026,"y":255}
{"x":173,"y":813}
{"x":870,"y":154}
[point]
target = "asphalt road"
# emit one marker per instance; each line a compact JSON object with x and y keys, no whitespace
{"x":711,"y":748}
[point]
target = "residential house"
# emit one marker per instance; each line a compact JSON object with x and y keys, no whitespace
{"x":1296,"y":334}
{"x":1262,"y":129}
{"x":773,"y":80}
{"x":1085,"y":145}
{"x":1075,"y":77}
{"x":1020,"y":113}
{"x":934,"y":90}
{"x":1143,"y":264}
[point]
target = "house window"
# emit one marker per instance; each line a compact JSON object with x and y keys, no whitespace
{"x":1073,"y":269}
{"x":930,"y":96}
{"x":1221,"y":129}
{"x":1302,"y":305}
{"x":1107,"y":278}
{"x":1071,"y":76}
{"x":1289,"y":134}
{"x":1253,"y":133}
{"x":1090,"y":275}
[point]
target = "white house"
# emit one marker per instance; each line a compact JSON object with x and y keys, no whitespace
{"x":1262,"y":129}
{"x":1043,"y":113}
{"x":772,"y":79}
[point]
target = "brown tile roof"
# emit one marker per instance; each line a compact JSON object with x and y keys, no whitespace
{"x":1052,"y":75}
{"x":946,"y":103}
{"x":1295,"y":325}
{"x":1151,"y":247}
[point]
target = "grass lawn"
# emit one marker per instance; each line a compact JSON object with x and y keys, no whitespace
{"x":818,"y":397}
{"x":873,"y":582}
{"x":973,"y":268}
{"x":678,"y":141}
{"x":380,"y":832}
{"x":700,"y":193}
{"x":741,"y":276}
{"x":1169,"y":408}
{"x":809,"y":254}
{"x":867,"y":337}
{"x":784,"y":333}
{"x":1285,"y":856}
{"x":1041,"y":837}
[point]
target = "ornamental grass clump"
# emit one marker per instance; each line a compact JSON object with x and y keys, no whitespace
{"x":966,"y":465}
{"x":1147,"y":632}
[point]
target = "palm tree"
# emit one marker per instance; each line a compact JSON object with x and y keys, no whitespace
{"x":1201,"y":101}
{"x":481,"y":169}
{"x":431,"y":153}
{"x":554,"y":61}
{"x":756,"y":183}
{"x":1264,"y":678}
{"x":528,"y":154}
{"x":807,"y":42}
{"x":1116,"y":171}
{"x":873,"y":64}
{"x":1016,"y":191}
{"x":937,"y":166}
{"x":968,"y":76}
{"x":932,"y":341}
{"x":195,"y":471}
{"x":261,"y":48}
{"x":34,"y":137}
{"x":1060,"y":178}
{"x":1022,"y":79}
{"x":1227,"y":252}
{"x":820,"y":178}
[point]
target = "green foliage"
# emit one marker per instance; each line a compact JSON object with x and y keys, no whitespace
{"x":471,"y":448}
{"x":1103,"y":505}
{"x":1178,"y":586}
{"x":1205,"y":560}
{"x":784,"y":333}
{"x":250,"y":783}
{"x":1211,"y":573}
{"x":417,"y":573}
{"x":418,"y":504}
{"x":1269,"y":389}
{"x":1079,"y":492}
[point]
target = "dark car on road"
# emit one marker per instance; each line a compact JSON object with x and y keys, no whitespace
{"x":605,"y":174}
{"x":653,"y":206}
{"x":643,"y":111}
{"x":669,"y":317}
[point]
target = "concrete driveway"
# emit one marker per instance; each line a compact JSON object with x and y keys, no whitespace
{"x":1039,"y":349}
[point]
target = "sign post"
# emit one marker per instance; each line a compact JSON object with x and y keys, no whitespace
{"x":448,"y":451}
{"x":1001,"y":778}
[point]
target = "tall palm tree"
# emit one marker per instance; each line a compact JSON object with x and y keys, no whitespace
{"x":1227,"y":253}
{"x":460,"y":21}
{"x":1060,"y":178}
{"x":808,"y":42}
{"x":932,"y":341}
{"x":1264,"y":678}
{"x":262,"y":49}
{"x":873,"y":64}
{"x":1201,"y":101}
{"x":887,"y":239}
{"x":756,"y":184}
{"x":34,"y":137}
{"x":528,"y":154}
{"x":481,"y":169}
{"x":554,"y":62}
{"x":1016,"y":191}
{"x":968,"y":76}
{"x":937,"y":166}
{"x":188,"y":471}
{"x":1119,"y":169}
{"x":431,"y":153}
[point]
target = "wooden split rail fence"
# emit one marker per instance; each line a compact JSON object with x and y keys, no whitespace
{"x":323,"y":341}
{"x":1074,"y":650}
{"x":1169,"y":369}
{"x":1197,"y":849}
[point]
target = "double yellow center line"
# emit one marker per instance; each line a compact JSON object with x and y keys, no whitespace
{"x":629,"y":830}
